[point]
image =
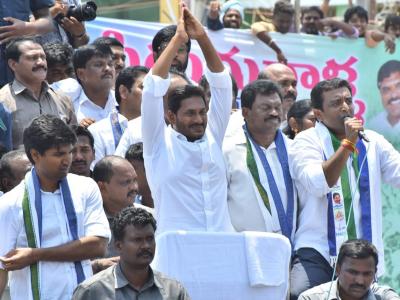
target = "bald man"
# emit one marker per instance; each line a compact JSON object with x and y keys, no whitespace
{"x":285,"y":77}
{"x":13,"y":167}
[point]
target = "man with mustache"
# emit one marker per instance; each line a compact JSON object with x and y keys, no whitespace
{"x":331,"y":158}
{"x":29,"y":95}
{"x":286,"y":79}
{"x":232,"y":14}
{"x":117,"y":49}
{"x":132,"y":278}
{"x":160,"y":43}
{"x":94,"y":68}
{"x":261,"y":193}
{"x":118,"y":185}
{"x":183,"y":161}
{"x":83,"y":153}
{"x":387,"y":122}
{"x":355,"y":269}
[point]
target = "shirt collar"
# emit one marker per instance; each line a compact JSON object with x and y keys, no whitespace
{"x":110,"y":100}
{"x":121,"y":281}
{"x":334,"y":293}
{"x":18,"y":87}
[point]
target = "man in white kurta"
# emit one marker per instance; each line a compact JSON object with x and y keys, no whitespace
{"x":312,"y":152}
{"x":187,"y":178}
{"x":246,"y":205}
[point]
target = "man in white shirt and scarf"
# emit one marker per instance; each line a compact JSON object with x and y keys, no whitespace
{"x":332,"y":159}
{"x":53,"y":222}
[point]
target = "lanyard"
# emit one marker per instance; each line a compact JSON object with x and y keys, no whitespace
{"x":285,"y":219}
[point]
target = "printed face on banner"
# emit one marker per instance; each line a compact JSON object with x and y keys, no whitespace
{"x":390,"y":95}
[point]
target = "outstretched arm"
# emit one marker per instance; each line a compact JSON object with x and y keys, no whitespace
{"x":42,"y":24}
{"x":347,"y":29}
{"x":267,"y":39}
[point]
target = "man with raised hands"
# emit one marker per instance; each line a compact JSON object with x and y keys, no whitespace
{"x":183,"y":161}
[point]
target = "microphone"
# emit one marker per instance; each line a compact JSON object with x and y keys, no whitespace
{"x":361,"y":133}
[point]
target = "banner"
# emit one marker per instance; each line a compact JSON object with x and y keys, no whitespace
{"x":312,"y":58}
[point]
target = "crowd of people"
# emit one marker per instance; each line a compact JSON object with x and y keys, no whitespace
{"x":90,"y":144}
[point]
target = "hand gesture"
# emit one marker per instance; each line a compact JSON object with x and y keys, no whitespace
{"x":214,"y":10}
{"x":193,"y":27}
{"x":86,"y":122}
{"x":18,"y":258}
{"x":73,"y":26}
{"x":352,"y":127}
{"x":281,"y":58}
{"x":17,"y":28}
{"x":390,"y":43}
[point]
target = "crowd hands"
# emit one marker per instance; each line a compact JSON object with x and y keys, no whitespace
{"x":313,"y":20}
{"x":124,"y":126}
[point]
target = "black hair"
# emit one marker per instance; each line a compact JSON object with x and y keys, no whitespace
{"x":258,"y":87}
{"x":127,"y":77}
{"x":360,"y":11}
{"x":164,"y":35}
{"x":176,"y":96}
{"x":6,"y":160}
{"x":58,"y":53}
{"x":83,"y":54}
{"x":306,"y":10}
{"x":387,"y":69}
{"x":335,"y":194}
{"x":12,"y":49}
{"x":358,"y":249}
{"x":297,"y":111}
{"x":326,"y":86}
{"x":109,"y":41}
{"x":283,"y":7}
{"x":83,"y":131}
{"x":45,"y":132}
{"x":103,"y":170}
{"x":135,"y":152}
{"x":392,"y":20}
{"x":137,"y":217}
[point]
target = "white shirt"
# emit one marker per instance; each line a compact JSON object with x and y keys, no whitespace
{"x":103,"y":135}
{"x":132,"y":135}
{"x":57,"y":279}
{"x":246,"y":207}
{"x":187,"y":180}
{"x":307,"y":156}
{"x":380,"y":124}
{"x":83,"y":106}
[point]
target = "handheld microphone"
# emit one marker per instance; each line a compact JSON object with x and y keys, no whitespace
{"x":361,"y":133}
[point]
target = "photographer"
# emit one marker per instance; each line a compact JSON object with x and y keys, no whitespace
{"x":68,"y":18}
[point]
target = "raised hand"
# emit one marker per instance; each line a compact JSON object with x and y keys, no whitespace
{"x":214,"y":10}
{"x":194,"y":28}
{"x":352,"y":127}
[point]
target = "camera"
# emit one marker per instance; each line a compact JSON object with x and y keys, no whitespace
{"x":84,"y":12}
